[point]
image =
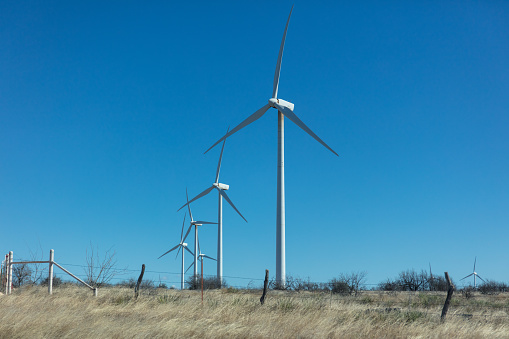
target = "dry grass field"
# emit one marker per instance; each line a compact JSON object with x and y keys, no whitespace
{"x":72,"y":312}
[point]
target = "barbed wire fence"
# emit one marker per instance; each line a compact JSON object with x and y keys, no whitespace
{"x":369,"y":294}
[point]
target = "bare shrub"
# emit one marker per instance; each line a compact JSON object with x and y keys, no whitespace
{"x":348,"y":283}
{"x":209,"y":283}
{"x":56,"y":281}
{"x":100,"y":271}
{"x":492,"y":287}
{"x":21,"y":274}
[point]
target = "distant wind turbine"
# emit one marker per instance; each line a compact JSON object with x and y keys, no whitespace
{"x":221,"y":188}
{"x":285,"y":109}
{"x":474,"y":273}
{"x":194,"y":223}
{"x":180,"y":245}
{"x":200,"y":257}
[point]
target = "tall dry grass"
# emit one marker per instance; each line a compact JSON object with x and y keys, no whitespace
{"x":72,"y":312}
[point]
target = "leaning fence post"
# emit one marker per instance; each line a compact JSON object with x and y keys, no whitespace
{"x":265,"y":283}
{"x":137,"y":288}
{"x":9,"y":273}
{"x":50,"y":271}
{"x":450,"y":290}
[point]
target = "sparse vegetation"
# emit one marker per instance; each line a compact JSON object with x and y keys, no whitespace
{"x":411,"y":280}
{"x":73,"y":312}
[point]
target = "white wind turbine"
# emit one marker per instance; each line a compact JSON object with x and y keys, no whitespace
{"x":200,"y":257}
{"x":196,"y":224}
{"x":474,"y":273}
{"x":180,"y":245}
{"x":285,"y":109}
{"x":221,"y":188}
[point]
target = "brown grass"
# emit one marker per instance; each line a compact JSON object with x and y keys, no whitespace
{"x":72,"y":312}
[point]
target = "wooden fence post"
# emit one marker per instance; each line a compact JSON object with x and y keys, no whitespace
{"x":9,"y":273}
{"x":4,"y":272}
{"x":265,"y":283}
{"x":202,"y":280}
{"x":137,"y":288}
{"x":50,"y":271}
{"x":450,"y":290}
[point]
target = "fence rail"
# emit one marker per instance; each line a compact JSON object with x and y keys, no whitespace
{"x":9,"y":262}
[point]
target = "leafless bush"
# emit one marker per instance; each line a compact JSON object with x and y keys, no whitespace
{"x":209,"y":283}
{"x":411,"y":280}
{"x":21,"y":274}
{"x":492,"y":287}
{"x":39,"y":271}
{"x":57,"y":281}
{"x":100,"y":271}
{"x":348,"y":283}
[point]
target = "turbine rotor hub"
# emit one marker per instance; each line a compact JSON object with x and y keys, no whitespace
{"x":224,"y":187}
{"x":281,"y":102}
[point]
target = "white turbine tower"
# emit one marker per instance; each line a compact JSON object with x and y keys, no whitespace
{"x":196,"y":224}
{"x":285,"y":109}
{"x":474,"y":273}
{"x":180,"y":245}
{"x":221,"y":188}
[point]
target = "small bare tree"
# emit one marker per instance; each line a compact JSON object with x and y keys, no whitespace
{"x":39,"y":271}
{"x":21,"y":274}
{"x":100,"y":271}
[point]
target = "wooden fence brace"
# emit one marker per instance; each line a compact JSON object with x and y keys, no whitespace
{"x":265,"y":283}
{"x":140,"y":278}
{"x":450,"y":290}
{"x":75,"y":277}
{"x":50,"y":271}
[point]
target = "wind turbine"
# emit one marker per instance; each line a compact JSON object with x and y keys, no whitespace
{"x":200,"y":257}
{"x":285,"y":109}
{"x":196,"y":224}
{"x":474,"y":273}
{"x":180,"y":245}
{"x":221,"y":188}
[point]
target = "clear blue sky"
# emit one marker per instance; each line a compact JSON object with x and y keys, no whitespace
{"x":106,"y":110}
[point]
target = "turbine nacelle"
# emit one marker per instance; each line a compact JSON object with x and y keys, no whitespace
{"x":223,"y":187}
{"x":281,"y":102}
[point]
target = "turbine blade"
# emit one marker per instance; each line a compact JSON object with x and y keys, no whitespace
{"x":189,"y":267}
{"x":205,"y":222}
{"x":220,"y":157}
{"x":467,"y":276}
{"x":188,"y":207}
{"x":279,"y":58}
{"x":290,"y":115}
{"x":169,"y":251}
{"x":187,"y":233}
{"x":253,"y":117}
{"x":197,"y":197}
{"x":182,"y":231}
{"x":478,"y":276}
{"x":178,"y":252}
{"x":206,"y":256}
{"x":187,"y":249}
{"x":475,"y":260}
{"x":223,"y":193}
